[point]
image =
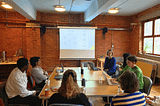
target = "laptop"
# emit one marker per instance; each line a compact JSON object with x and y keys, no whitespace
{"x":60,"y":76}
{"x":108,"y":80}
{"x":95,"y":68}
{"x":60,"y":70}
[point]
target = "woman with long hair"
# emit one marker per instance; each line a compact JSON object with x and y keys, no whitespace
{"x":69,"y":91}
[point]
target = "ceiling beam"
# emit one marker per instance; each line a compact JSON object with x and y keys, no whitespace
{"x":97,"y":7}
{"x":23,"y":7}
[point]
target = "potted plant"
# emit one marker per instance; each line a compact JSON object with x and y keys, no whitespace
{"x":145,"y":49}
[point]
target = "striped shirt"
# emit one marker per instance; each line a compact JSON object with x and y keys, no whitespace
{"x":129,"y":99}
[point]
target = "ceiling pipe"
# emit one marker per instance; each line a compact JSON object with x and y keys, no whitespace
{"x":23,"y":22}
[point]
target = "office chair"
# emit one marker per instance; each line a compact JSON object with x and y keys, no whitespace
{"x":147,"y":85}
{"x":31,"y":82}
{"x":63,"y":104}
{"x":91,"y":64}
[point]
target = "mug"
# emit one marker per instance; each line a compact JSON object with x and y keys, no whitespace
{"x":47,"y":92}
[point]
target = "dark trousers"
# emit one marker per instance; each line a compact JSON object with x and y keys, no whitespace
{"x":29,"y":100}
{"x":41,"y":85}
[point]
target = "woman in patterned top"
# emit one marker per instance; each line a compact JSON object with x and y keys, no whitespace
{"x":131,"y":96}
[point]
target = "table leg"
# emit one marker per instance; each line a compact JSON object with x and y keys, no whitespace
{"x":101,"y":65}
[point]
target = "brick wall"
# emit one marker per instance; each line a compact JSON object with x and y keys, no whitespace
{"x":46,"y":45}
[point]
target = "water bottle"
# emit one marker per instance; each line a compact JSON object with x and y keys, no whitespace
{"x":81,"y":71}
{"x":83,"y":82}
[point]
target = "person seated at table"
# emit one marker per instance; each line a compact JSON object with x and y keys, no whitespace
{"x":37,"y":72}
{"x":131,"y":62}
{"x":153,"y":101}
{"x":110,"y":63}
{"x":131,"y":96}
{"x":69,"y":91}
{"x":16,"y":86}
{"x":124,"y":67}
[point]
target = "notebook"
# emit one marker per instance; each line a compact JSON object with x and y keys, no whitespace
{"x":108,"y":79}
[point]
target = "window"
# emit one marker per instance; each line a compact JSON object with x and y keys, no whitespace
{"x":151,"y":36}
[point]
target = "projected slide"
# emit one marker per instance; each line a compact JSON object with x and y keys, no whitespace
{"x":77,"y":43}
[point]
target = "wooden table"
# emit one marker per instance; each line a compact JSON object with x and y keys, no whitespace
{"x":101,"y":60}
{"x":95,"y":83}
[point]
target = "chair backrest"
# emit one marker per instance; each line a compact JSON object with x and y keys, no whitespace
{"x":147,"y":85}
{"x":31,"y":81}
{"x":84,"y":64}
{"x":91,"y":64}
{"x":3,"y":94}
{"x":62,"y":104}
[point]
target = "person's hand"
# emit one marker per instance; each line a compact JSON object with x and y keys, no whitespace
{"x":46,"y":73}
{"x":149,"y":101}
{"x":150,"y":97}
{"x":113,"y":80}
{"x":106,"y":69}
{"x":34,"y":93}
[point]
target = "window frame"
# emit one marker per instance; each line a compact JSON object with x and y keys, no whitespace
{"x":152,"y":36}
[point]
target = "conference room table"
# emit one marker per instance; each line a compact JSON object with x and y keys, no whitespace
{"x":95,"y":83}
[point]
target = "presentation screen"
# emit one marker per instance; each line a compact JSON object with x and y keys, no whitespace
{"x":77,"y":43}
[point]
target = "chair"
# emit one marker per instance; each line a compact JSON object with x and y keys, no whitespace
{"x":4,"y":98}
{"x":91,"y":65}
{"x":147,"y":85}
{"x":31,"y":82}
{"x":62,"y":104}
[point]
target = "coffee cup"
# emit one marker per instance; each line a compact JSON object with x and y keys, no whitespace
{"x":47,"y":92}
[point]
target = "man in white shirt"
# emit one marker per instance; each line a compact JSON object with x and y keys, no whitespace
{"x":16,"y":86}
{"x":37,"y":72}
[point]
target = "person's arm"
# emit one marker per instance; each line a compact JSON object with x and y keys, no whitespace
{"x":36,"y":73}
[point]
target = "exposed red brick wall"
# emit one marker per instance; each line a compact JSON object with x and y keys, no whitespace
{"x":136,"y":33}
{"x":47,"y":45}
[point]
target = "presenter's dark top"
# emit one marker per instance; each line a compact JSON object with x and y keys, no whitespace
{"x":110,"y":64}
{"x":80,"y":99}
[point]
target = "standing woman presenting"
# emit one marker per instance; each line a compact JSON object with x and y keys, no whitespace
{"x":110,"y":63}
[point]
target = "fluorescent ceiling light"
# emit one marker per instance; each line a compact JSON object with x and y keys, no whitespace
{"x":6,"y":5}
{"x":113,"y":10}
{"x":59,"y":8}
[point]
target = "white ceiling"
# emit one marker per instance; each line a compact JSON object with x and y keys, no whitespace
{"x":91,"y":8}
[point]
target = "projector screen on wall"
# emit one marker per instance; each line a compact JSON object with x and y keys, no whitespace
{"x":77,"y":43}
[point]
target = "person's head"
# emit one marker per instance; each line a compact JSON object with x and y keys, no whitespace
{"x":22,"y":64}
{"x":125,"y":55}
{"x":129,"y":82}
{"x":69,"y":87}
{"x":34,"y":61}
{"x":131,"y":61}
{"x":109,"y":52}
